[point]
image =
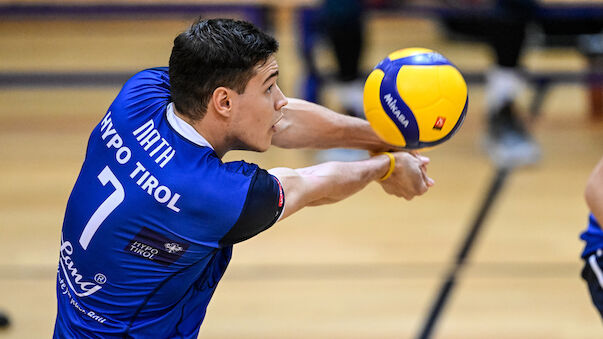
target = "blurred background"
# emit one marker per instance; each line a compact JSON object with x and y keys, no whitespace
{"x":373,"y":265}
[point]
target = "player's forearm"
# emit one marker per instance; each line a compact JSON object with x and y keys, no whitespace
{"x":328,"y":182}
{"x":336,"y":181}
{"x":594,"y":192}
{"x":308,"y":125}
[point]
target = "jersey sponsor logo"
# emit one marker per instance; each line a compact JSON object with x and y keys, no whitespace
{"x":77,"y":306}
{"x":150,"y":184}
{"x":172,"y":247}
{"x":122,"y":153}
{"x":74,"y":278}
{"x":156,"y":247}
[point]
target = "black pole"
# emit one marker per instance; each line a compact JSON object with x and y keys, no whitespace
{"x":447,"y":286}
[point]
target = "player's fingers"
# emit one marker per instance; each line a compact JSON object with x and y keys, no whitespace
{"x":430,"y":182}
{"x":424,"y":160}
{"x":426,"y":179}
{"x":417,"y":154}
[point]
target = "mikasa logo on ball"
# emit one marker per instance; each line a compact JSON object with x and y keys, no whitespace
{"x":391,"y":103}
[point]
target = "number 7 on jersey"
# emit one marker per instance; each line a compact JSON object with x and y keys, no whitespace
{"x":103,"y":211}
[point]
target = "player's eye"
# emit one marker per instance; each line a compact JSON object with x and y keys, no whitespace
{"x":269,"y":90}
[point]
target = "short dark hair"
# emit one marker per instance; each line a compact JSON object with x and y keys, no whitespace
{"x":214,"y":53}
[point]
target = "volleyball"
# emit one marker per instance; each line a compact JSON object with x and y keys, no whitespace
{"x":415,"y":98}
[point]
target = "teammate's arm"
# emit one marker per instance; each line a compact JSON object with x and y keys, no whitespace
{"x":308,"y":125}
{"x":594,"y":192}
{"x":334,"y":181}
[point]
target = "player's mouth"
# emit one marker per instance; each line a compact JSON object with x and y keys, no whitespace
{"x":274,"y":129}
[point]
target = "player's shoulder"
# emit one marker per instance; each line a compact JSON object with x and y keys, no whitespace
{"x":153,"y":80}
{"x":155,"y":74}
{"x":203,"y":171}
{"x":241,"y":167}
{"x":263,"y":205}
{"x":144,"y":95}
{"x":145,"y":87}
{"x":223,"y":178}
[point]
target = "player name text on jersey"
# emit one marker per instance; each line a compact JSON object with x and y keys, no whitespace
{"x":148,"y":136}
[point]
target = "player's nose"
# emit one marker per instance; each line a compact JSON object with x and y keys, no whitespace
{"x":281,"y":100}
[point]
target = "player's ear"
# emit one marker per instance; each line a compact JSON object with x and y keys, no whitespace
{"x":222,"y":101}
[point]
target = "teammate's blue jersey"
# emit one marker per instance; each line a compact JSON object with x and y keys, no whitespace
{"x":593,"y":236}
{"x":151,"y":220}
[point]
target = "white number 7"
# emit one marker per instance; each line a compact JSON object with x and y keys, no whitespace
{"x":105,"y":208}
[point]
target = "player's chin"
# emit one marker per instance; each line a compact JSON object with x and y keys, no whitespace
{"x":262,"y":146}
{"x":266,"y":144}
{"x":268,"y":140}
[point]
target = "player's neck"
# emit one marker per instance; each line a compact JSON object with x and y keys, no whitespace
{"x":210,"y":130}
{"x":213,"y":133}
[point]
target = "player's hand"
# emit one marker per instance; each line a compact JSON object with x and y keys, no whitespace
{"x":409,"y":178}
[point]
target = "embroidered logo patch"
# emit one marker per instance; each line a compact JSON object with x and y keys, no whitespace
{"x":156,"y":247}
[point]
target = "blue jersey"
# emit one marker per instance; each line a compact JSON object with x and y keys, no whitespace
{"x":151,"y":220}
{"x":593,"y":236}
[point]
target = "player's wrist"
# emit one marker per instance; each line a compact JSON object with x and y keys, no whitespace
{"x":390,"y":166}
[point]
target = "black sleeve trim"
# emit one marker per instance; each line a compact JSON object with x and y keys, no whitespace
{"x":263,"y":207}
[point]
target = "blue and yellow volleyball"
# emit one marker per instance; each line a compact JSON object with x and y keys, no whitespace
{"x":415,"y":98}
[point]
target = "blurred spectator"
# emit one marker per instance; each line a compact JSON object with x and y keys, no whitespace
{"x":503,"y":26}
{"x":343,"y":22}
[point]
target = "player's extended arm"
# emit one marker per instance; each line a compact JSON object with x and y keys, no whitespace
{"x":308,"y":125}
{"x":334,"y":181}
{"x":594,"y":192}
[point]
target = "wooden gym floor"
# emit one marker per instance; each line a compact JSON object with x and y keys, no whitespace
{"x":368,"y":267}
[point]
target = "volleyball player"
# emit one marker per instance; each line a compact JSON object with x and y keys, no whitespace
{"x":593,"y":236}
{"x":151,"y":222}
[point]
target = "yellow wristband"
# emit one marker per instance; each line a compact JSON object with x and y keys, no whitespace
{"x":392,"y":165}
